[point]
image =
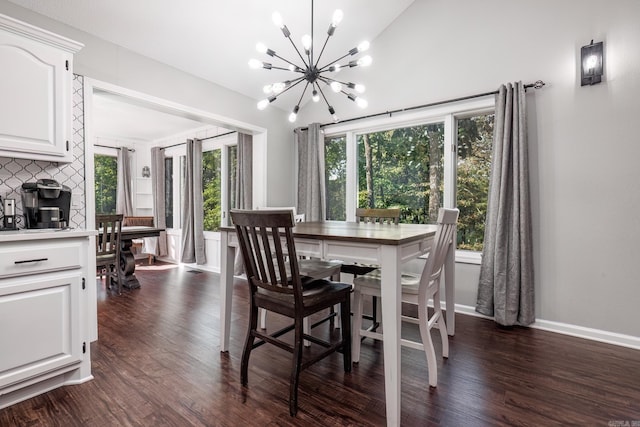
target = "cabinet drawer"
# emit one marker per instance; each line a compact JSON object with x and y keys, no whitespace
{"x":19,"y":259}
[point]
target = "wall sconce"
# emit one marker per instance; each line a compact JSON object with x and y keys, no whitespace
{"x":591,"y":58}
{"x":146,"y":172}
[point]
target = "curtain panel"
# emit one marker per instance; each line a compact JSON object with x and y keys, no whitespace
{"x":506,"y":286}
{"x":243,"y":186}
{"x":311,"y":170}
{"x":244,"y":177}
{"x":192,"y":207}
{"x":159,"y":199}
{"x":124,"y":197}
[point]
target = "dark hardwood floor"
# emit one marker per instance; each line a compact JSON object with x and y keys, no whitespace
{"x":157,"y":363}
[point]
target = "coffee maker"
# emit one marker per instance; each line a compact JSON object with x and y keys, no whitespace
{"x":46,"y":204}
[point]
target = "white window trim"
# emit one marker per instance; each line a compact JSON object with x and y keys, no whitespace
{"x":448,"y":114}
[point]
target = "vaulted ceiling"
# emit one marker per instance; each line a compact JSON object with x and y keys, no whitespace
{"x":214,"y":39}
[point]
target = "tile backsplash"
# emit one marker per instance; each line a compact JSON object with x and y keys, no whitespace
{"x":14,"y":172}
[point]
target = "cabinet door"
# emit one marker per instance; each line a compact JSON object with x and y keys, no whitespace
{"x":35,"y":106}
{"x":40,"y":327}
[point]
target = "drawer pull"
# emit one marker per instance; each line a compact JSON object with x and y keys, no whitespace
{"x":31,"y":260}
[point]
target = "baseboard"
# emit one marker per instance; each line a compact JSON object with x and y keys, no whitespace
{"x":567,"y":329}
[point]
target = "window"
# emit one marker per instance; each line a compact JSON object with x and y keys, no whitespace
{"x":106,"y":175}
{"x":336,"y":177}
{"x":418,"y":163}
{"x":402,"y":168}
{"x":168,"y":191}
{"x":475,"y":142}
{"x":219,"y":171}
{"x":211,"y":173}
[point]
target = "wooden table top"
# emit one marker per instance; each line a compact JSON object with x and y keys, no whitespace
{"x":139,"y":231}
{"x":361,"y":232}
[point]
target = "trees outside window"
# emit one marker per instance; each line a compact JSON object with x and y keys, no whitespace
{"x":475,"y":144}
{"x":444,"y":161}
{"x":106,"y":185}
{"x":219,"y":174}
{"x":211,"y":189}
{"x":336,"y":177}
{"x":402,"y":168}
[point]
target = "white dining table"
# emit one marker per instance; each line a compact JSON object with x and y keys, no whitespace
{"x":384,"y":245}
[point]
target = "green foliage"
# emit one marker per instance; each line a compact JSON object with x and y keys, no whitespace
{"x":106,"y":177}
{"x":475,"y":143}
{"x":211,"y":186}
{"x":336,"y":177}
{"x":407,"y":172}
{"x":401,"y":170}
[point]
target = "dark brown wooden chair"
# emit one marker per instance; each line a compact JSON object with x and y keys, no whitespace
{"x":275,"y":284}
{"x":108,"y":243}
{"x":374,"y":216}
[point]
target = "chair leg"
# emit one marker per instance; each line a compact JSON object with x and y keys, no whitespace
{"x":374,"y":313}
{"x":120,"y":277}
{"x":427,"y":342}
{"x":248,"y":346}
{"x":357,"y":325}
{"x":306,"y":327}
{"x":296,"y":363}
{"x":441,"y":325}
{"x":263,"y":318}
{"x":345,"y":314}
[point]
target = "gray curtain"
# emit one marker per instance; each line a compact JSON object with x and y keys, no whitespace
{"x":243,"y":185}
{"x":192,"y":210}
{"x":124,"y":198}
{"x":506,"y":288}
{"x":158,"y":190}
{"x":311,"y":195}
{"x":244,"y":176}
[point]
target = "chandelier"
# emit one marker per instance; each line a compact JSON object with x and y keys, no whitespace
{"x":309,"y":71}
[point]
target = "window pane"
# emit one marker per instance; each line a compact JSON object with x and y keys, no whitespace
{"x":475,"y":141}
{"x":335,"y":152}
{"x":168,"y":191}
{"x":403,"y":168}
{"x":106,"y":175}
{"x":211,"y":186}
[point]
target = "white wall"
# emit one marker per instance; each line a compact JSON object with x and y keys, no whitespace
{"x":584,"y":146}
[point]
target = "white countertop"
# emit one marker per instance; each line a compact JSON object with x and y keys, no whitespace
{"x":42,"y":234}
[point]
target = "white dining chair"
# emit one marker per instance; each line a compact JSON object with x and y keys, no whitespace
{"x":418,"y":290}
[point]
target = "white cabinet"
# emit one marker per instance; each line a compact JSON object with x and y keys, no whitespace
{"x":41,"y":329}
{"x":43,"y":312}
{"x":36,"y":101}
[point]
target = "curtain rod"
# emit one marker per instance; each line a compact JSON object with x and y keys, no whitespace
{"x":536,"y":85}
{"x":201,"y":139}
{"x":115,"y":148}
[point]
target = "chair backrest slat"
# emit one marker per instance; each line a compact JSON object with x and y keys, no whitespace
{"x":443,"y":241}
{"x":108,"y":243}
{"x":379,"y":216}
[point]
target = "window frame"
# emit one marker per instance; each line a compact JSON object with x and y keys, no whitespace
{"x":449,"y":114}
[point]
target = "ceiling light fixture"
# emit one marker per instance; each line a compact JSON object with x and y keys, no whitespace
{"x":311,"y":72}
